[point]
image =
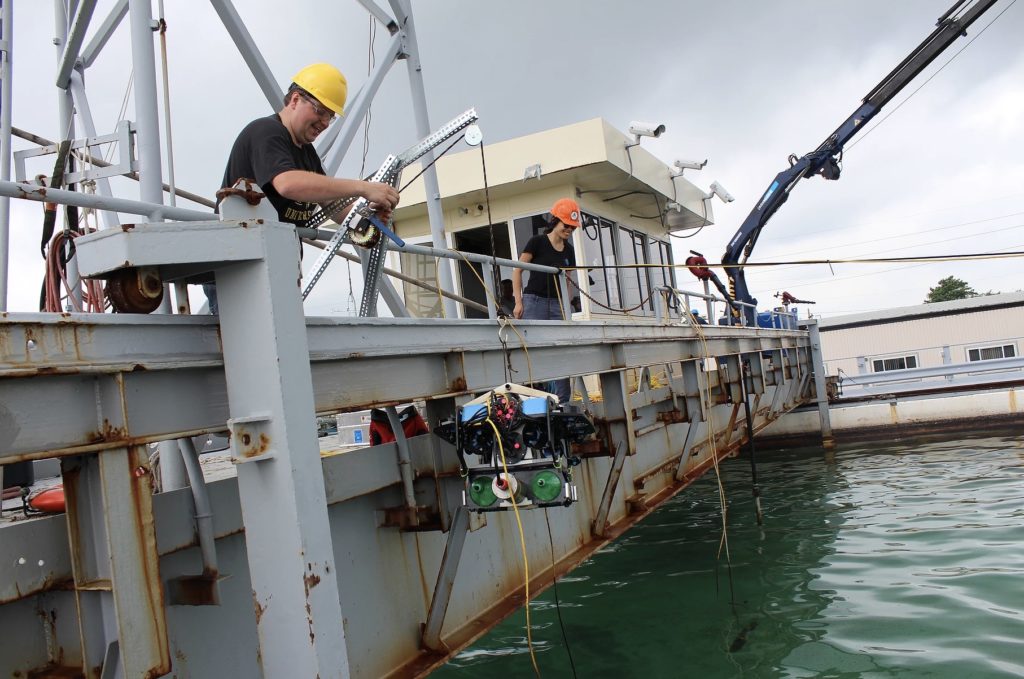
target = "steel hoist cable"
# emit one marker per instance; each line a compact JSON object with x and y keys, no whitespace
{"x":558,"y":603}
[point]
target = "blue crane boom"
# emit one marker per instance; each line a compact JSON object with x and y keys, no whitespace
{"x":826,"y":159}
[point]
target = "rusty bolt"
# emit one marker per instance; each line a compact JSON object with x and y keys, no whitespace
{"x":141,"y":471}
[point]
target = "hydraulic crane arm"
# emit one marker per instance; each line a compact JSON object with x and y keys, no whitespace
{"x":825,"y":160}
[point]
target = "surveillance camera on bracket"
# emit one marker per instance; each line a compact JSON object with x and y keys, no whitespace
{"x":719,"y":190}
{"x":680,"y":165}
{"x":641,"y":129}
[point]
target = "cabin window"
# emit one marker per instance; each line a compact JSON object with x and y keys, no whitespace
{"x":991,"y":353}
{"x":879,"y":365}
{"x":608,"y":244}
{"x":598,"y":252}
{"x":662,"y":275}
{"x":633,"y":279}
{"x":526,"y":228}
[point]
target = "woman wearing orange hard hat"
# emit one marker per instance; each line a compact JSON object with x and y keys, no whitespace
{"x":541,"y":298}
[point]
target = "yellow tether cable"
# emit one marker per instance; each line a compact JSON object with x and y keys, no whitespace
{"x":705,"y":393}
{"x":522,"y":538}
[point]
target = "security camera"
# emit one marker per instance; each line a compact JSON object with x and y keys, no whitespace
{"x":689,"y":165}
{"x":719,"y":190}
{"x":640,"y":129}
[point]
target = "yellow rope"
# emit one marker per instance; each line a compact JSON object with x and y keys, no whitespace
{"x":522,"y":538}
{"x":705,"y":393}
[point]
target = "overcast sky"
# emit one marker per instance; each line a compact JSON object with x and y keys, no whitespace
{"x":741,"y":83}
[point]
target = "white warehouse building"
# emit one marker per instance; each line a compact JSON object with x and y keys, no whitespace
{"x":923,"y":336}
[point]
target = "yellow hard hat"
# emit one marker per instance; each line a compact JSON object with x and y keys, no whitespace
{"x":326,"y":83}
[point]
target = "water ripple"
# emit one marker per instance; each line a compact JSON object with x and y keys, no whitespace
{"x":896,"y":559}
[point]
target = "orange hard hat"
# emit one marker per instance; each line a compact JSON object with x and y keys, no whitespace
{"x":567,"y":211}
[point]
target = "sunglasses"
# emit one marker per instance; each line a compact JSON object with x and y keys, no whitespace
{"x":319,"y":109}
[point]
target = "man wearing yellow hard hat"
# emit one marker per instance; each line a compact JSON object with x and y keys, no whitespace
{"x":277,"y":152}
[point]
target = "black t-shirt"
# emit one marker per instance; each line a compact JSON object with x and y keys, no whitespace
{"x":546,"y":284}
{"x":263,"y":150}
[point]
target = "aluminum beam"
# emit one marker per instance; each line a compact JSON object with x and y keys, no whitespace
{"x":250,"y":53}
{"x":435,"y":213}
{"x":85,"y":112}
{"x":104,"y":32}
{"x":147,"y":117}
{"x":153,"y":211}
{"x":74,"y":42}
{"x":358,"y":107}
{"x":380,"y":15}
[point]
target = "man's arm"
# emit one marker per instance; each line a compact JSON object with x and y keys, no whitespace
{"x":317,"y":188}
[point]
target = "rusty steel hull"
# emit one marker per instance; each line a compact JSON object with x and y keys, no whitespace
{"x":670,"y":401}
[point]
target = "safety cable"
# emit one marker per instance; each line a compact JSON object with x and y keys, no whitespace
{"x":925,"y":231}
{"x":605,"y":306}
{"x":522,"y":538}
{"x":436,"y":158}
{"x":109,"y":153}
{"x":352,"y":308}
{"x":162,"y":23}
{"x":866,"y":260}
{"x":370,"y":63}
{"x":929,"y":79}
{"x":495,"y":269}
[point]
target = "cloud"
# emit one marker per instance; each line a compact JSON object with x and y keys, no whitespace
{"x":743,"y":84}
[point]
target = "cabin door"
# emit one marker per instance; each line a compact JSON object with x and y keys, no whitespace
{"x":470,"y":274}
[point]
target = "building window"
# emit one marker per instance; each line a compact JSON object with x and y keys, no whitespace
{"x":879,"y":365}
{"x":991,"y":353}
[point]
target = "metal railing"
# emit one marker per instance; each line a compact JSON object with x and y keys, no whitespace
{"x":675,"y":302}
{"x":944,"y":376}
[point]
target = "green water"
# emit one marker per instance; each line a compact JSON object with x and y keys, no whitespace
{"x":891,"y":559}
